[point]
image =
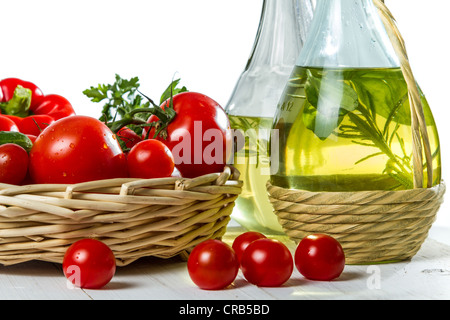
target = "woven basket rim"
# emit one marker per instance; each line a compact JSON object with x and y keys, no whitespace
{"x":436,"y":189}
{"x":229,"y":173}
{"x":372,"y":226}
{"x":136,"y":217}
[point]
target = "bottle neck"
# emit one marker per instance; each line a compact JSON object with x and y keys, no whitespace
{"x":280,"y":34}
{"x":276,"y":48}
{"x":347,"y":34}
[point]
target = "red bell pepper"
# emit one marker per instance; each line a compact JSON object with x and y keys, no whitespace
{"x":55,"y":106}
{"x":8,"y":87}
{"x":31,"y":110}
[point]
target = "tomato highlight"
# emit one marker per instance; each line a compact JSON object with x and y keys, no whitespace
{"x":89,"y":264}
{"x":6,"y":124}
{"x":76,"y":149}
{"x":242,"y":241}
{"x":267,"y":263}
{"x":150,"y":159}
{"x":213,"y":265}
{"x":199,"y":136}
{"x":13,"y":163}
{"x":320,"y":257}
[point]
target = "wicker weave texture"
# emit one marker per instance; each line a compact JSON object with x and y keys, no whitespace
{"x":134,"y":217}
{"x":372,"y":226}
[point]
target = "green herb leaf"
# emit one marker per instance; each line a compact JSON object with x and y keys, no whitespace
{"x":331,"y":100}
{"x":125,"y":104}
{"x":172,"y":90}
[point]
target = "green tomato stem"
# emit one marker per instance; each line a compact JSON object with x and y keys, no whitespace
{"x":165,"y":117}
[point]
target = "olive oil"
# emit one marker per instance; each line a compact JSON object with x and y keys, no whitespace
{"x":348,"y":129}
{"x":253,"y":209}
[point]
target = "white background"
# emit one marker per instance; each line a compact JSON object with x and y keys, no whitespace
{"x":66,"y":46}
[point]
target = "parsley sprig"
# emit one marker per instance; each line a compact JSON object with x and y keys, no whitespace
{"x":125,"y":105}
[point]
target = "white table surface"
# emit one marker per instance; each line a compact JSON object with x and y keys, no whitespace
{"x":426,"y":276}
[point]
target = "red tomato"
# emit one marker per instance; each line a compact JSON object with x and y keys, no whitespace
{"x":54,"y":106}
{"x":35,"y":124}
{"x":32,"y":137}
{"x":76,"y":149}
{"x":267,"y":263}
{"x":15,"y":119}
{"x":13,"y":163}
{"x":128,"y":136}
{"x":320,"y":257}
{"x":150,"y":159}
{"x":242,"y":241}
{"x":212,"y":265}
{"x":89,"y":264}
{"x":6,"y":124}
{"x":7,"y":86}
{"x":200,"y":135}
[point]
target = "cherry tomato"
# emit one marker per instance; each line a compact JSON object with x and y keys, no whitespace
{"x":267,"y":263}
{"x":76,"y":149}
{"x":243,"y":240}
{"x":6,"y":124}
{"x":89,"y":264}
{"x":129,"y":137}
{"x":320,"y":257}
{"x":54,"y":106}
{"x":32,"y":137}
{"x":200,"y":135}
{"x":35,"y":124}
{"x":150,"y":159}
{"x":213,"y":265}
{"x":13,"y":163}
{"x":9,"y":85}
{"x":15,"y":119}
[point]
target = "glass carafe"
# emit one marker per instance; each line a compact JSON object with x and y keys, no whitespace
{"x":252,"y":105}
{"x":344,"y":118}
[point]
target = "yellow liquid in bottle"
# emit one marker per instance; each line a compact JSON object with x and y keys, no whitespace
{"x":253,"y":209}
{"x":348,"y":130}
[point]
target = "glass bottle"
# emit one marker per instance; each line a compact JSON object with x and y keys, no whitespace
{"x":252,"y":105}
{"x":344,"y":118}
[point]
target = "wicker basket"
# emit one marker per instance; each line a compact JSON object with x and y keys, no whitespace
{"x":372,"y":226}
{"x":135,"y":217}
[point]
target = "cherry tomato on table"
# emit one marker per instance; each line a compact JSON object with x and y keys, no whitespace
{"x":13,"y":163}
{"x":76,"y":149}
{"x":199,"y":136}
{"x":213,"y":265}
{"x":89,"y":264}
{"x":320,"y":257}
{"x":242,"y":241}
{"x":150,"y":159}
{"x":267,"y":263}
